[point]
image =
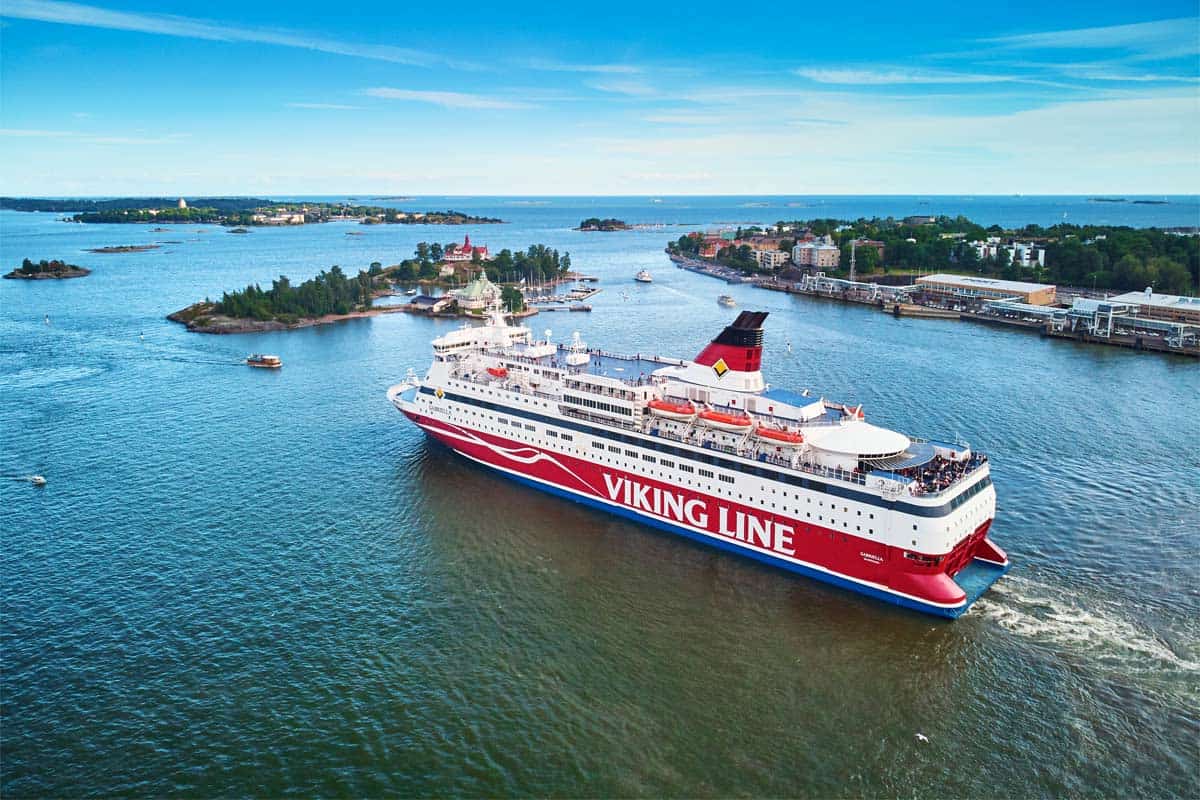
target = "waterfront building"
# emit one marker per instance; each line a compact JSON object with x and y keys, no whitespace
{"x":431,"y":305}
{"x":465,"y":251}
{"x":920,"y":220}
{"x":1023,"y":254}
{"x":771,"y":259}
{"x":813,"y":254}
{"x":182,"y":203}
{"x":478,"y":294}
{"x":1168,"y":307}
{"x":965,"y":286}
{"x":711,"y":247}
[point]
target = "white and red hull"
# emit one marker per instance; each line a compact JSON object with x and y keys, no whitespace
{"x":868,"y":566}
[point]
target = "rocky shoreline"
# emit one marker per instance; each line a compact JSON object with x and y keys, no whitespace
{"x":198,"y":318}
{"x":124,"y":248}
{"x":78,"y":272}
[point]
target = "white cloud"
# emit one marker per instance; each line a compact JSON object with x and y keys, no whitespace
{"x":187,"y":27}
{"x":549,"y":65}
{"x":889,"y":76}
{"x":323,"y":106}
{"x":1169,"y":37}
{"x":91,"y":138}
{"x":446,"y":99}
{"x":631,"y":88}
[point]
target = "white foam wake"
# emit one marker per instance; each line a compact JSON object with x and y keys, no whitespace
{"x":1049,"y":615}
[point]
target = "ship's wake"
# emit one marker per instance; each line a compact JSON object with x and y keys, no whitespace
{"x":1056,"y":618}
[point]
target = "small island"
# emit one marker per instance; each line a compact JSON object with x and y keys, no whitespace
{"x":329,"y":297}
{"x":124,"y":248}
{"x":47,"y":270}
{"x":597,"y":224}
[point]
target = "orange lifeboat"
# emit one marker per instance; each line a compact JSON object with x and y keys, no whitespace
{"x":672,"y":410}
{"x":497,"y":372}
{"x":780,"y":436}
{"x":726,"y":422}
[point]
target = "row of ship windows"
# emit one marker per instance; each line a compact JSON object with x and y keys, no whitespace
{"x":596,"y":404}
{"x":633,"y":454}
{"x":817,"y":486}
{"x":959,"y":524}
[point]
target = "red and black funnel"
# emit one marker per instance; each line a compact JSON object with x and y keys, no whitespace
{"x":739,"y":345}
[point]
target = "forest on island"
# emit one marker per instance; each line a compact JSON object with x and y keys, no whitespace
{"x":330,"y":292}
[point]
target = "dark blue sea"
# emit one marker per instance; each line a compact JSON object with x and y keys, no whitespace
{"x":249,"y":583}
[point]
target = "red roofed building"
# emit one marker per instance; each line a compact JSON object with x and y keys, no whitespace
{"x":465,"y":251}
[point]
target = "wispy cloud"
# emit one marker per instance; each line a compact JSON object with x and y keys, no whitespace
{"x":550,"y":65}
{"x":1168,"y":37}
{"x":91,"y":138}
{"x":629,"y":87}
{"x":446,"y":99}
{"x":323,"y":106}
{"x":892,"y":76}
{"x":191,"y":28}
{"x":686,"y":118}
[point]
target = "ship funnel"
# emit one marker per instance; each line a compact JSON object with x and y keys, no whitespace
{"x":739,"y":346}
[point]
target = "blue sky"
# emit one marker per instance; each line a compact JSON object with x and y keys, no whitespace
{"x":139,"y":97}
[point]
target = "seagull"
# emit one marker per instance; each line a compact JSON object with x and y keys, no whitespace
{"x":922,"y":738}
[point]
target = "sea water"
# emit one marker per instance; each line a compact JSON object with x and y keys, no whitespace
{"x":259,"y":582}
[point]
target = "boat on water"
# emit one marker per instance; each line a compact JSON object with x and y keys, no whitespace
{"x":263,"y":361}
{"x":644,"y":276}
{"x":410,"y":292}
{"x":727,"y":301}
{"x":706,"y":449}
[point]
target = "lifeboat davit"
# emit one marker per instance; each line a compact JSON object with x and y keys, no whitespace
{"x":780,"y":436}
{"x":726,"y":422}
{"x":497,"y":372}
{"x":669,"y":410}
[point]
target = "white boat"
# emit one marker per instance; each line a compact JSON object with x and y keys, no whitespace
{"x":644,"y":277}
{"x":727,"y":301}
{"x":411,"y":292}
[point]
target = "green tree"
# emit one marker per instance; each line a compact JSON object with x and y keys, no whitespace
{"x":512,"y":298}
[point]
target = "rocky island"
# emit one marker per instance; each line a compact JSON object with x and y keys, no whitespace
{"x":597,"y":224}
{"x":329,"y":297}
{"x":47,"y":270}
{"x":124,"y":248}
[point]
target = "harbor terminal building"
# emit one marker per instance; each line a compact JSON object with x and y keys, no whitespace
{"x":965,"y":286}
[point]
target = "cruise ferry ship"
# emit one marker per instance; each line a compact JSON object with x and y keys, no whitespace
{"x":707,"y":449}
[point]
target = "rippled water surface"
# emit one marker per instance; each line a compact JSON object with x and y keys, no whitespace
{"x":244,"y":582}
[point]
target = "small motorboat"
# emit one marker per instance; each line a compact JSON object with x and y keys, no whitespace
{"x":644,"y":276}
{"x":726,"y":301}
{"x":669,"y":409}
{"x":411,"y":292}
{"x":779,"y":436}
{"x":37,"y":480}
{"x":263,"y":361}
{"x":724,"y":421}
